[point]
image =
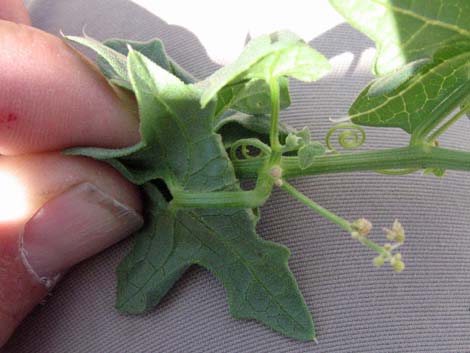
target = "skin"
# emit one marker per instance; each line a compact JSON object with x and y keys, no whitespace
{"x":53,"y":101}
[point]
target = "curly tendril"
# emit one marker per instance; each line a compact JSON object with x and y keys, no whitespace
{"x":351,"y":138}
{"x":244,"y":144}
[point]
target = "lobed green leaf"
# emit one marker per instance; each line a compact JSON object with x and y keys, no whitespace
{"x":268,"y":57}
{"x":254,"y":271}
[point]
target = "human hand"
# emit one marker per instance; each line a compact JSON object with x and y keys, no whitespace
{"x":52,"y":98}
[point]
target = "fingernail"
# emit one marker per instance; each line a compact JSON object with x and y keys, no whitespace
{"x":75,"y":225}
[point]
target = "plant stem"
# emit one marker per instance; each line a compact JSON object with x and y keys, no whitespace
{"x":227,"y":199}
{"x":343,"y":223}
{"x":448,"y":124}
{"x":316,"y":207}
{"x":374,"y":246}
{"x":222,"y":199}
{"x":275,"y":108}
{"x":418,"y":156}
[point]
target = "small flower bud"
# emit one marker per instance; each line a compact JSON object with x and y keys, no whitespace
{"x":387,"y":247}
{"x":278,"y":182}
{"x":292,"y":140}
{"x":398,"y":266}
{"x":397,"y":233}
{"x":379,"y":261}
{"x":361,"y":226}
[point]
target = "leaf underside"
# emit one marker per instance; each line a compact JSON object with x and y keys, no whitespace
{"x":254,"y":272}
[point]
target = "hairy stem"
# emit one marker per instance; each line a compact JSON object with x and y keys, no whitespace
{"x":418,"y":156}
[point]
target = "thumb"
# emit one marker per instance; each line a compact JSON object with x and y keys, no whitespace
{"x":75,"y":225}
{"x":93,"y":209}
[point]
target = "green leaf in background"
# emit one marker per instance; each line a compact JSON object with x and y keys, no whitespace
{"x":266,"y":57}
{"x":386,"y":84}
{"x":180,"y":147}
{"x":407,"y":30}
{"x":238,"y":126}
{"x":425,"y":96}
{"x":423,"y":61}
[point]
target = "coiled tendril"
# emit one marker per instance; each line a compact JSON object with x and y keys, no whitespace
{"x":351,"y":138}
{"x":244,"y":144}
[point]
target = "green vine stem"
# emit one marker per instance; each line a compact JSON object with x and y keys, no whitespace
{"x":417,"y":156}
{"x":274,"y":131}
{"x":221,"y":199}
{"x":354,"y":136}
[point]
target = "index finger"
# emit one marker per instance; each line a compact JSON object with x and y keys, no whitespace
{"x":51,"y":97}
{"x":15,"y":11}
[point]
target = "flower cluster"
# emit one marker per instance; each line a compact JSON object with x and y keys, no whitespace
{"x":362,"y":227}
{"x":397,"y":235}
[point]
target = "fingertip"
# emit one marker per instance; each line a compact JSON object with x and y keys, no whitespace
{"x":56,"y":98}
{"x":14,"y":11}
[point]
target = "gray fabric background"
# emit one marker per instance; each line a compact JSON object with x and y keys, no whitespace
{"x":356,"y":308}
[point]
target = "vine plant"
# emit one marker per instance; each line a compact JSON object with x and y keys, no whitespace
{"x":196,"y":212}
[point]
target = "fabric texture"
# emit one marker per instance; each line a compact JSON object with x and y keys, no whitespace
{"x":356,"y":307}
